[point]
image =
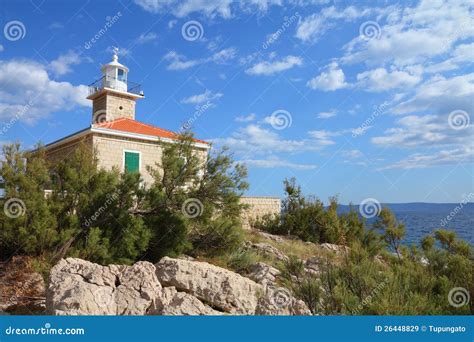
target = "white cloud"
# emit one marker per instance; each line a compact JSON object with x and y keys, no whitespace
{"x":207,"y":96}
{"x":441,"y":95}
{"x":211,"y":8}
{"x":146,"y":37}
{"x":272,"y":67}
{"x":180,"y":62}
{"x":461,"y":155}
{"x":331,"y":79}
{"x":327,"y":115}
{"x":323,"y":137}
{"x":246,"y":118}
{"x":275,"y":162}
{"x":379,"y":79}
{"x":28,"y":94}
{"x":423,"y":131}
{"x":311,"y":28}
{"x":414,"y":34}
{"x":62,"y":65}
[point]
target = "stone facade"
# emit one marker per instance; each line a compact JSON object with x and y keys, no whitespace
{"x":259,"y":207}
{"x":110,"y":106}
{"x":64,"y":150}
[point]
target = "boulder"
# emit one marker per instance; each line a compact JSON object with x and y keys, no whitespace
{"x":79,"y":287}
{"x":334,"y":248}
{"x":267,"y":250}
{"x":263,"y":273}
{"x":218,"y":287}
{"x":174,"y":303}
{"x":279,"y":301}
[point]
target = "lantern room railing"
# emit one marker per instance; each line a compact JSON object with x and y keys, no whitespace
{"x":115,"y":83}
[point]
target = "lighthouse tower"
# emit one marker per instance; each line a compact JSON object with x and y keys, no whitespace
{"x":113,"y":96}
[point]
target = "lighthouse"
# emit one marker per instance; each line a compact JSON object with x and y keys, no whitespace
{"x":113,"y":96}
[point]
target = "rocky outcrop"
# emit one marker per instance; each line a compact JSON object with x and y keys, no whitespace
{"x":172,"y":287}
{"x":227,"y":291}
{"x":220,"y":288}
{"x":263,"y":273}
{"x":79,"y":287}
{"x":267,"y":250}
{"x":174,"y":303}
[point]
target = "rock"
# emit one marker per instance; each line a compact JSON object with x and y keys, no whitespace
{"x":22,"y":290}
{"x":218,"y":287}
{"x":279,"y":301}
{"x":263,"y":273}
{"x":267,"y":250}
{"x":174,"y":303}
{"x":312,"y":265}
{"x":334,"y":248}
{"x":269,"y":236}
{"x":79,"y":287}
{"x":222,"y":290}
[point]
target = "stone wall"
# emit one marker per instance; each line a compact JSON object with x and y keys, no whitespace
{"x":110,"y":151}
{"x":61,"y":152}
{"x":115,"y":106}
{"x":258,"y":207}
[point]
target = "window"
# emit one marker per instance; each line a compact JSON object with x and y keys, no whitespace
{"x":121,"y":76}
{"x":131,"y":161}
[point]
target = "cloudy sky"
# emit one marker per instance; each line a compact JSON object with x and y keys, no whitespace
{"x":355,"y":99}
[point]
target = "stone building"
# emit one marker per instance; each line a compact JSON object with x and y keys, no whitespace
{"x":123,"y":142}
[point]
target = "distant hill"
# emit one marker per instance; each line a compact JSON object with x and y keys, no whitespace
{"x":418,"y":207}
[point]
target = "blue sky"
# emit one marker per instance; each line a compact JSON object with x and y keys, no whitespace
{"x":354,"y":99}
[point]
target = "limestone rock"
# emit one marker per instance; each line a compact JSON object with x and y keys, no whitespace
{"x":267,"y":250}
{"x":263,"y":273}
{"x":279,"y":301}
{"x":334,"y":248}
{"x":174,"y":303}
{"x":79,"y":287}
{"x":218,"y":287}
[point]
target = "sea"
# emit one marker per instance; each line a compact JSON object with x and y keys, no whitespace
{"x":423,"y":219}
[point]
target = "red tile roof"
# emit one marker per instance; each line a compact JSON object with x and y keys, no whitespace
{"x":137,"y":127}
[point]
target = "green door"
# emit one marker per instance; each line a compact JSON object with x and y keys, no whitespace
{"x":132,"y":162}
